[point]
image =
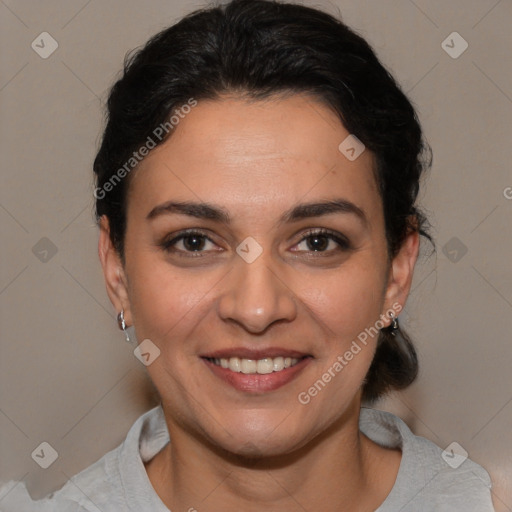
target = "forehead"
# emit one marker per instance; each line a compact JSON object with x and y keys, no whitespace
{"x":256,"y":154}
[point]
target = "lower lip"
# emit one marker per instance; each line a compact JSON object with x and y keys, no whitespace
{"x":255,"y":382}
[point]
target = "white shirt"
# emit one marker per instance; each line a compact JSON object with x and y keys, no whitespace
{"x":118,"y":481}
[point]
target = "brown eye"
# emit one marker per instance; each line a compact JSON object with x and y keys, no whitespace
{"x":323,"y":241}
{"x":317,"y":242}
{"x":193,"y":242}
{"x":188,"y":242}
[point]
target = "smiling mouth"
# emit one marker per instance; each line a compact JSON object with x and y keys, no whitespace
{"x":256,"y":366}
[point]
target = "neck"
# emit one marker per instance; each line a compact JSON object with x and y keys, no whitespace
{"x":341,"y":467}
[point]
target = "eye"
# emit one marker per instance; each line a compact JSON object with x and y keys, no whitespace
{"x":189,"y":241}
{"x":323,"y":241}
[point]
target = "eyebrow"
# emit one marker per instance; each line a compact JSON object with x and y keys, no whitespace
{"x":298,"y":212}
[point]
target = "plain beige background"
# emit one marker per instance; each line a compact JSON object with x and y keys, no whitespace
{"x":68,"y":378}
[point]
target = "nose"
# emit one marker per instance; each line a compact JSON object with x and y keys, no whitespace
{"x":256,"y":296}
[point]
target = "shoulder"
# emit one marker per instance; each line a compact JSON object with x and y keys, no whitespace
{"x":85,"y":492}
{"x":429,"y":477}
{"x":105,"y":486}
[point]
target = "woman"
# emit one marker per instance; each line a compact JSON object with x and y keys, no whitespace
{"x":256,"y":197}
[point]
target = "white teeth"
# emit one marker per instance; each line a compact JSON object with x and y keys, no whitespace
{"x":248,"y":365}
{"x":265,"y":366}
{"x":234,"y":364}
{"x":278,"y":364}
{"x":260,"y":366}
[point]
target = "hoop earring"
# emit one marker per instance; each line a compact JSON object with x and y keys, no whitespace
{"x":122,"y":324}
{"x":394,"y":323}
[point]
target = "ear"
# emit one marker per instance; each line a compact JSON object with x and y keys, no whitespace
{"x":401,"y":273}
{"x":113,"y":271}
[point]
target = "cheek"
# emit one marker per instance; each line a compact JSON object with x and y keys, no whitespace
{"x":348,"y":300}
{"x":163,"y":301}
{"x":347,"y":305}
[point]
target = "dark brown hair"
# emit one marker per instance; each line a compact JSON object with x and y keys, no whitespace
{"x":257,"y":49}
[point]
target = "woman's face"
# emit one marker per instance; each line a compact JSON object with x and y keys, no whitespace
{"x":285,"y":263}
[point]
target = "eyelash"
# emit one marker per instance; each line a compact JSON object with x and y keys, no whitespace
{"x":344,"y":244}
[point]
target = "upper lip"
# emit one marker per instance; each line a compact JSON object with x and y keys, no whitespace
{"x":256,"y":354}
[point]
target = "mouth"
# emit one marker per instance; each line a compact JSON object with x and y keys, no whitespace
{"x":255,"y":366}
{"x":256,"y":371}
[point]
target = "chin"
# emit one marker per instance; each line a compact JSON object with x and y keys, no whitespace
{"x":262,"y":447}
{"x":270,"y":435}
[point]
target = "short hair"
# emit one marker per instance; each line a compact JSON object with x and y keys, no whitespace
{"x":257,"y":49}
